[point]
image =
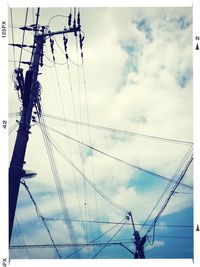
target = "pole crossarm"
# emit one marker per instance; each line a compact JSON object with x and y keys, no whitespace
{"x":73,"y":30}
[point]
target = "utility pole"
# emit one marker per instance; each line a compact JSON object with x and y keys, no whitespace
{"x":17,"y":161}
{"x":29,"y":100}
{"x":139,"y":242}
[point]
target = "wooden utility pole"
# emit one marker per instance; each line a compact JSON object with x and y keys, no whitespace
{"x":30,"y":95}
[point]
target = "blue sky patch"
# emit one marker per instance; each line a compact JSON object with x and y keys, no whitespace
{"x":88,"y":152}
{"x":128,"y":47}
{"x":184,"y":78}
{"x":133,"y":49}
{"x":139,"y":119}
{"x":144,"y":182}
{"x":143,"y":26}
{"x":183,"y":22}
{"x":119,"y":137}
{"x":176,"y":247}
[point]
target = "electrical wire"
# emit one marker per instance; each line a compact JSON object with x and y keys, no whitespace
{"x":17,"y":61}
{"x":82,"y":123}
{"x":126,"y":223}
{"x":69,"y":145}
{"x":67,"y":132}
{"x":33,"y":15}
{"x":22,"y":238}
{"x":110,"y":229}
{"x":185,"y":193}
{"x":79,"y":146}
{"x":89,"y":133}
{"x":114,"y":242}
{"x":100,"y":127}
{"x":55,"y":145}
{"x":176,"y":183}
{"x":153,"y":225}
{"x":57,"y":63}
{"x":53,"y":17}
{"x":12,"y":128}
{"x":58,"y":183}
{"x":122,"y":161}
{"x":26,"y":16}
{"x":104,"y":246}
{"x":15,"y":26}
{"x":40,"y":215}
{"x":13,"y":114}
{"x":70,"y":59}
{"x":13,"y":39}
{"x":36,"y":29}
{"x":80,"y":137}
{"x":169,"y":184}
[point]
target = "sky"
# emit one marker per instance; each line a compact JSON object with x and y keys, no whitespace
{"x":137,"y":76}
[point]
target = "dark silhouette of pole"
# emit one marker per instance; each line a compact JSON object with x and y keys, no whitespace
{"x":29,"y":99}
{"x":17,"y":161}
{"x":139,"y":242}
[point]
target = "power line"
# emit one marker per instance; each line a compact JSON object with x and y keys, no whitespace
{"x":53,"y":17}
{"x":13,"y":114}
{"x":185,"y":193}
{"x":79,"y":146}
{"x":13,"y":39}
{"x":126,"y":223}
{"x":107,"y":244}
{"x":15,"y":26}
{"x":121,"y":244}
{"x":66,"y":130}
{"x":55,"y":62}
{"x":26,"y":16}
{"x":169,"y":184}
{"x":22,"y":238}
{"x":40,"y":215}
{"x":86,"y":178}
{"x":80,"y":137}
{"x":114,"y":242}
{"x":58,"y":183}
{"x":33,"y":15}
{"x":12,"y":128}
{"x":89,"y":132}
{"x":153,"y":225}
{"x":105,"y":128}
{"x":70,"y":59}
{"x":110,"y":229}
{"x":81,"y":114}
{"x":22,"y":62}
{"x":122,"y":161}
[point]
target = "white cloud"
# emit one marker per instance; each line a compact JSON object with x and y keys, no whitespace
{"x":156,"y":244}
{"x":131,"y":90}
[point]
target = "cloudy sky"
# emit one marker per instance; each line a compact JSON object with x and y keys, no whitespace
{"x":137,"y":77}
